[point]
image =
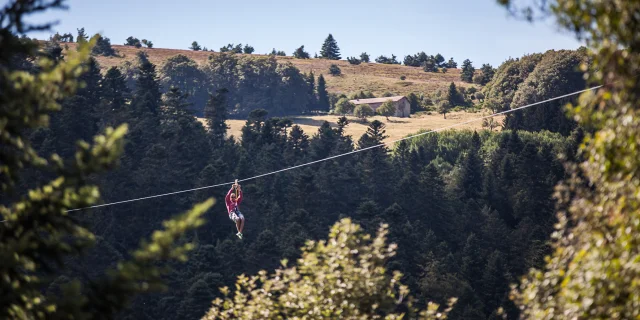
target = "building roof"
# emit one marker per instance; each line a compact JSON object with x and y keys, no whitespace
{"x":377,"y":100}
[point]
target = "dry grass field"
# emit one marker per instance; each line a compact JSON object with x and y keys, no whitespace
{"x":396,"y":128}
{"x":373,"y":77}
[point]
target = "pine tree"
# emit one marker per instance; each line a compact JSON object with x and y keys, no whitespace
{"x":82,"y":36}
{"x":364,"y":57}
{"x":195,"y":46}
{"x":439,"y":60}
{"x":471,"y":171}
{"x":451,"y":63}
{"x":114,"y":89}
{"x":452,"y":95}
{"x":176,"y":104}
{"x":297,"y":145}
{"x":414,"y":103}
{"x":323,"y":95}
{"x":248,"y":49}
{"x":311,"y":91}
{"x":375,"y":166}
{"x":467,"y":71}
{"x":147,"y":95}
{"x":216,"y":114}
{"x":300,"y":53}
{"x":330,"y":49}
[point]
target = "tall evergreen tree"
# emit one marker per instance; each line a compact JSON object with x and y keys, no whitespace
{"x":323,"y":95}
{"x":471,"y":171}
{"x":114,"y":89}
{"x":147,"y":95}
{"x":453,"y":96}
{"x":216,"y":114}
{"x":311,"y":91}
{"x":467,"y":71}
{"x":330,"y":49}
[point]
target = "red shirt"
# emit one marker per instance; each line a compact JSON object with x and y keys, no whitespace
{"x":231,"y":206}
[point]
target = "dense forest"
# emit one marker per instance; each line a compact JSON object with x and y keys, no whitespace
{"x":471,"y":212}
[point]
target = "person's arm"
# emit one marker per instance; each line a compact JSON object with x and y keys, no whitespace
{"x":239,"y":194}
{"x":227,"y":198}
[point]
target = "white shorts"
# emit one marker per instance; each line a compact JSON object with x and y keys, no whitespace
{"x":236,"y":216}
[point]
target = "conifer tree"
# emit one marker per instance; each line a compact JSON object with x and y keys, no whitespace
{"x":323,"y":95}
{"x":147,"y":95}
{"x":330,"y":49}
{"x":467,"y":71}
{"x":216,"y":114}
{"x":300,"y":53}
{"x":114,"y":89}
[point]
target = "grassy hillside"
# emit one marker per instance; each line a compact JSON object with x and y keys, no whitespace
{"x":377,"y":78}
{"x":396,"y":128}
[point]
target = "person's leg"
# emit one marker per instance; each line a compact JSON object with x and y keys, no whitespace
{"x":241,"y":223}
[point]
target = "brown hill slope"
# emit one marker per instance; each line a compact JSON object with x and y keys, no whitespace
{"x":377,"y":78}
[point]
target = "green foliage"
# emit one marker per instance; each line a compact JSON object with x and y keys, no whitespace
{"x":416,"y":60}
{"x":354,"y":61}
{"x":443,"y":107}
{"x":487,"y":73}
{"x":453,"y":96}
{"x":277,"y":53}
{"x":451,"y":63}
{"x":248,"y":49}
{"x":330,"y":49}
{"x":131,"y":41}
{"x":343,"y":106}
{"x":103,"y":46}
{"x":593,"y":269}
{"x":388,"y":94}
{"x":114,"y":89}
{"x":82,"y":36}
{"x":216,"y":114}
{"x":232,"y":48}
{"x":386,"y":60}
{"x":348,"y":267}
{"x":429,"y":65}
{"x":361,"y":95}
{"x":363,"y":111}
{"x":467,"y":72}
{"x":288,"y":92}
{"x":334,"y":70}
{"x":403,"y":78}
{"x":323,"y":95}
{"x":364,"y":57}
{"x":39,"y":232}
{"x":301,"y":54}
{"x":414,"y":103}
{"x":508,"y":78}
{"x":147,"y":43}
{"x":439,"y":59}
{"x":556,"y":74}
{"x":387,"y":109}
{"x":195,"y":46}
{"x":182,"y":72}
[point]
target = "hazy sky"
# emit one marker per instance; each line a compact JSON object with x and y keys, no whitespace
{"x":479,"y":30}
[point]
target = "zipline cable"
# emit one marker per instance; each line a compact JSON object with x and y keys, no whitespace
{"x":340,"y":155}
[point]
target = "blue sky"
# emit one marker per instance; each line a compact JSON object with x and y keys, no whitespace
{"x":479,"y":30}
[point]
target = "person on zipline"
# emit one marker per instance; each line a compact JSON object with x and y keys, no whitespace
{"x":233,"y":199}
